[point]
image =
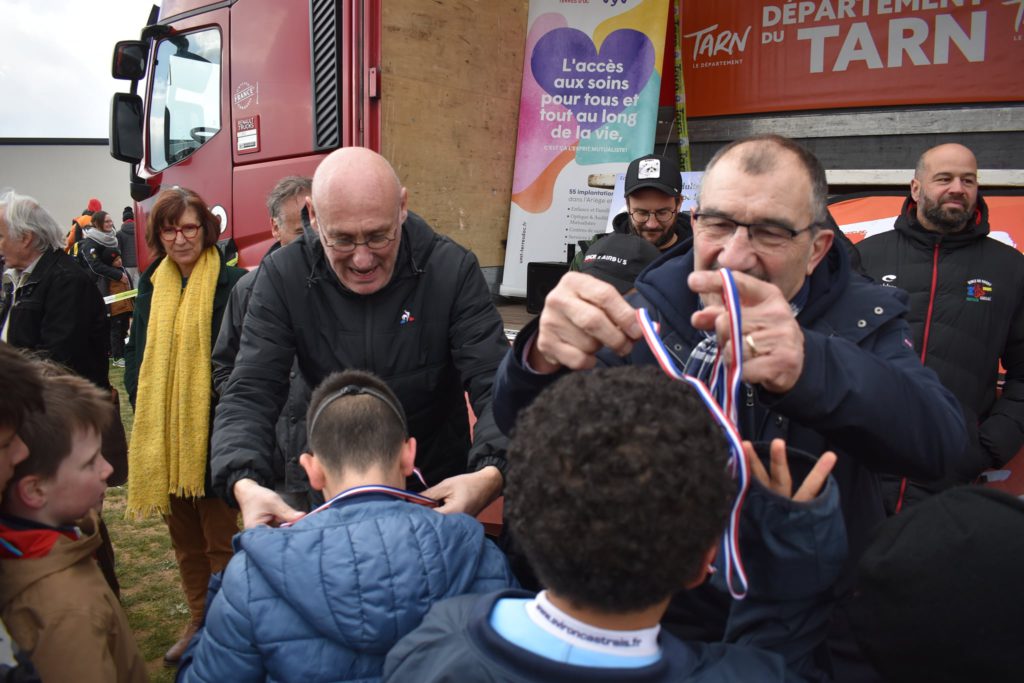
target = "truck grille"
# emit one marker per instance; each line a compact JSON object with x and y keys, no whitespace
{"x":325,"y":34}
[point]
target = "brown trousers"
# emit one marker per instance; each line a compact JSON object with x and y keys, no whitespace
{"x":201,"y":531}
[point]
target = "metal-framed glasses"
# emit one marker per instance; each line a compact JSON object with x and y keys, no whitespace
{"x":643,"y":215}
{"x":762,"y":235}
{"x":169,"y":233}
{"x":346,"y":245}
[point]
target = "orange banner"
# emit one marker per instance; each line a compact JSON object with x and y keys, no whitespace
{"x":744,"y":56}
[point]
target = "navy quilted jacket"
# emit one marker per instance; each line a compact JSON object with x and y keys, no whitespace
{"x":326,"y":599}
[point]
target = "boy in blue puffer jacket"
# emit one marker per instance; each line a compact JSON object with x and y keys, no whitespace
{"x":325,"y":599}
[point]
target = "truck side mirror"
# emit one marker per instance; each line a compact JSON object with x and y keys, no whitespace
{"x":126,"y":127}
{"x":129,"y":60}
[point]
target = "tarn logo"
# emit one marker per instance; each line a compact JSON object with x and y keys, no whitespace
{"x":979,"y":290}
{"x":407,"y":318}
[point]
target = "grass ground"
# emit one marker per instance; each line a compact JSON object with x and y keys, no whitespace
{"x":150,"y":587}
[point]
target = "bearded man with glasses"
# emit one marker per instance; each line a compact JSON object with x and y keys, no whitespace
{"x":653,"y":189}
{"x":828,"y":358}
{"x":369,"y":286}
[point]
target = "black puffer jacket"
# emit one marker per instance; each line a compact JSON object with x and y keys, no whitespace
{"x":966,"y":315}
{"x":431,"y":333}
{"x":291,"y":425}
{"x":59,"y":313}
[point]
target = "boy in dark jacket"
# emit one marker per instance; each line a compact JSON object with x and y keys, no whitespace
{"x":54,"y":598}
{"x":616,"y":511}
{"x":325,"y":599}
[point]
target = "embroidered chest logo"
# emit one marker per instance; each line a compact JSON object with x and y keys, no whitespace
{"x":888,"y":280}
{"x":407,"y":318}
{"x":979,"y":290}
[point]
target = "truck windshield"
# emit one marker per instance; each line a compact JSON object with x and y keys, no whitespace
{"x":184,"y":109}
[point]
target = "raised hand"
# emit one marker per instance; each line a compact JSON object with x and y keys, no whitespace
{"x":582,"y":315}
{"x":773,"y":343}
{"x":779,"y":481}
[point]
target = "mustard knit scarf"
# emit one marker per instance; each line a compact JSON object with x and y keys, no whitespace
{"x":170,"y":437}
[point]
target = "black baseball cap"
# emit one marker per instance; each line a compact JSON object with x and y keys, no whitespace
{"x":661,"y":173}
{"x":618,"y":259}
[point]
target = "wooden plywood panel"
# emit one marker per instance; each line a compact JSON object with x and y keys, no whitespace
{"x":450,"y":79}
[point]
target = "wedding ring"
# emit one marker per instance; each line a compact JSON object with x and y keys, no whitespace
{"x":749,"y":338}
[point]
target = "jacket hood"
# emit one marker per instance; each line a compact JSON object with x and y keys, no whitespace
{"x":106,"y":239}
{"x":378,"y":567}
{"x":418,"y":241}
{"x":908,"y":225}
{"x":663,"y":284}
{"x":18,"y":575}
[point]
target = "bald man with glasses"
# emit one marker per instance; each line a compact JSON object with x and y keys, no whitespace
{"x":369,"y":286}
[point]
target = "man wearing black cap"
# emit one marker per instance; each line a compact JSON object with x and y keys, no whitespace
{"x":618,"y":259}
{"x":653,"y":190}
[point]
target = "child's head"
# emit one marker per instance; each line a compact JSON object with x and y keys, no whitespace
{"x":22,"y":395}
{"x":357,"y":425}
{"x":65,"y":474}
{"x":111,"y":257}
{"x":617,"y":488}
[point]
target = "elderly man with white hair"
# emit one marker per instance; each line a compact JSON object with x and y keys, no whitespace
{"x":49,"y":305}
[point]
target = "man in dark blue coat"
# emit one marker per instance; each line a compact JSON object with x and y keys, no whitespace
{"x":829,"y":362}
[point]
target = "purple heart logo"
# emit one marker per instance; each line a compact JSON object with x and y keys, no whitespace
{"x":592,"y":85}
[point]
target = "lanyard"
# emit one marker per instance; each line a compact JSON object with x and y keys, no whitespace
{"x":371,"y":488}
{"x":721,"y":400}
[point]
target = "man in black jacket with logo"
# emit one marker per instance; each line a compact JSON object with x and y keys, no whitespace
{"x":966,"y":304}
{"x":368,"y":286}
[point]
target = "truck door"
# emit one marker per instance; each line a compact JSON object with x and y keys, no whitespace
{"x":186,"y":113}
{"x":299,"y":89}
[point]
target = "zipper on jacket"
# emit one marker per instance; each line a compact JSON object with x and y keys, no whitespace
{"x":924,"y":347}
{"x":368,"y":337}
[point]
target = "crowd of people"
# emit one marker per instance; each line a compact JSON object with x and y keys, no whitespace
{"x":354,"y":399}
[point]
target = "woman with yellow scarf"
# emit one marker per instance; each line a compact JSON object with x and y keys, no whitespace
{"x":178,"y":311}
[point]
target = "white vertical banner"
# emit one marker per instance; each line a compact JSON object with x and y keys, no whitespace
{"x":589,"y":104}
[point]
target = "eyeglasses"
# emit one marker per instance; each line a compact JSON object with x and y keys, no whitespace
{"x":643,"y":215}
{"x":763,"y":236}
{"x":169,"y":233}
{"x":346,"y":245}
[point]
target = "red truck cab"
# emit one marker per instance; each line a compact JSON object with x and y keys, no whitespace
{"x":236,"y":95}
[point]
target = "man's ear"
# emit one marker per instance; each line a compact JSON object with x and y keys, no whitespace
{"x":275,"y":230}
{"x":705,"y":568}
{"x":312,"y":213}
{"x":915,"y":189}
{"x":407,"y":459}
{"x":821,"y":242}
{"x":404,"y":210}
{"x":31,"y":491}
{"x":314,"y":470}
